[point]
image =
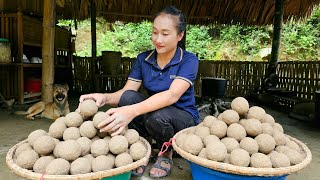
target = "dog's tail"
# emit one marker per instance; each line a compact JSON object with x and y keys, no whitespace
{"x":21,"y":112}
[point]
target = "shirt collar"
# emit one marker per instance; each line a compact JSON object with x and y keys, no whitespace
{"x":177,"y":58}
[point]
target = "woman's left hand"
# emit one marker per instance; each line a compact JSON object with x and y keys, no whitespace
{"x":119,"y":118}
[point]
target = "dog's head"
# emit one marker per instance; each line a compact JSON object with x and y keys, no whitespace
{"x":60,"y":92}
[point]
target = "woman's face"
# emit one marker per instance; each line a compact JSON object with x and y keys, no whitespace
{"x":165,"y":35}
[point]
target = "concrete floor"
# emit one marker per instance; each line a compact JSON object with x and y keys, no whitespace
{"x":15,"y":128}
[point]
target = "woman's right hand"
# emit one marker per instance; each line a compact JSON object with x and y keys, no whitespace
{"x":100,"y":98}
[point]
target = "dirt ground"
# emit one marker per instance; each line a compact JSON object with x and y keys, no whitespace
{"x":14,"y":129}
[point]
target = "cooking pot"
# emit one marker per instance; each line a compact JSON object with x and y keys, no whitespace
{"x":214,"y":87}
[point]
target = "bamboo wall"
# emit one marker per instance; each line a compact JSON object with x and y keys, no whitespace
{"x":243,"y":77}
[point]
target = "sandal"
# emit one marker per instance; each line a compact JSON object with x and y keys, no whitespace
{"x":135,"y":173}
{"x":158,"y":166}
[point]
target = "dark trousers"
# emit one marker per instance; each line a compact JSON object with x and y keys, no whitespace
{"x":161,"y":124}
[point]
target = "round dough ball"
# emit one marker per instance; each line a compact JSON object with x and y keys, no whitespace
{"x":118,"y":144}
{"x":95,"y":138}
{"x":236,"y":131}
{"x":253,"y":127}
{"x":230,"y":143}
{"x":73,"y":119}
{"x":267,"y":129}
{"x":57,"y":129}
{"x":69,"y":150}
{"x":203,"y":153}
{"x":294,"y":156}
{"x":202,"y":131}
{"x":85,"y":144}
{"x":250,"y":145}
{"x":256,"y":112}
{"x":278,"y":127}
{"x":240,"y":157}
{"x":44,"y":145}
{"x":227,"y":159}
{"x":192,"y":130}
{"x":216,"y":151}
{"x":192,"y":144}
{"x":240,"y":105}
{"x":71,"y":133}
{"x":102,"y":163}
{"x":58,"y":167}
{"x":88,"y":130}
{"x":279,"y":160}
{"x":41,"y":164}
{"x":88,"y":108}
{"x":34,"y":135}
{"x":293,"y":145}
{"x":266,"y":143}
{"x":210,"y":138}
{"x":99,"y":147}
{"x":220,"y":117}
{"x":259,"y":160}
{"x":132,"y":136}
{"x":230,"y":116}
{"x":219,"y":128}
{"x":60,"y":119}
{"x":27,"y":159}
{"x":107,"y":138}
{"x":98,"y":118}
{"x":123,"y":159}
{"x":208,"y":121}
{"x":137,"y":151}
{"x":89,"y":157}
{"x":279,"y":138}
{"x":180,"y":139}
{"x":80,"y":166}
{"x":21,"y":148}
{"x":267,"y":118}
{"x":281,"y":149}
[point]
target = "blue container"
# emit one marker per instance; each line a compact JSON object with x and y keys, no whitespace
{"x":124,"y":176}
{"x":201,"y":173}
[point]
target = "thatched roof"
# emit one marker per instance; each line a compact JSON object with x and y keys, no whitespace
{"x":258,"y":12}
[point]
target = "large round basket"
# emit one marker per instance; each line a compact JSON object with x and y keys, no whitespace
{"x":96,"y":175}
{"x":246,"y":171}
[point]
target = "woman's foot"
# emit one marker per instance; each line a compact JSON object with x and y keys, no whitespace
{"x":162,"y":167}
{"x":139,"y":171}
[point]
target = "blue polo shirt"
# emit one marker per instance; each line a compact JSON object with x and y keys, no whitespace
{"x":184,"y":65}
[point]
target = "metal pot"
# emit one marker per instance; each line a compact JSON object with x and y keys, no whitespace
{"x":214,"y":87}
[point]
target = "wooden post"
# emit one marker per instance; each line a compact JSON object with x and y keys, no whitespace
{"x":20,"y":55}
{"x":93,"y":42}
{"x":48,"y":33}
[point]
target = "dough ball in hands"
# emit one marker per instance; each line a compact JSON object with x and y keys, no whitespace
{"x":208,"y":121}
{"x":27,"y":159}
{"x":34,"y":135}
{"x":73,"y":119}
{"x":278,"y":127}
{"x":85,"y":144}
{"x":230,"y":143}
{"x":267,"y":118}
{"x":279,"y":160}
{"x":210,"y":138}
{"x":41,"y":164}
{"x":266,"y":143}
{"x":240,"y":105}
{"x":132,"y":136}
{"x":137,"y":151}
{"x":236,"y":131}
{"x":253,"y":127}
{"x":192,"y":144}
{"x":219,"y":128}
{"x":21,"y":148}
{"x":88,"y":130}
{"x":80,"y":166}
{"x":240,"y":157}
{"x":57,"y":129}
{"x":123,"y":159}
{"x":71,"y":133}
{"x":250,"y":145}
{"x":102,"y":163}
{"x":44,"y":145}
{"x":259,"y":160}
{"x":99,"y":147}
{"x":118,"y":144}
{"x":98,"y":118}
{"x":88,"y":108}
{"x":216,"y":151}
{"x":202,"y":131}
{"x":267,"y":129}
{"x":69,"y":150}
{"x":58,"y":167}
{"x":230,"y":116}
{"x":256,"y":112}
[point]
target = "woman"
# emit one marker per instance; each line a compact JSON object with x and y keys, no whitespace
{"x":167,"y":73}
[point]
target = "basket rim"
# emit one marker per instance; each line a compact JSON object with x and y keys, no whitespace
{"x":93,"y":175}
{"x":250,"y":171}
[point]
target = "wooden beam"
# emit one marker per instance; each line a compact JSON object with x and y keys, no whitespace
{"x":48,"y":33}
{"x":93,"y":41}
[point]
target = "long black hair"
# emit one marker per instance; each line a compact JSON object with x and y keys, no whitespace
{"x":181,"y":25}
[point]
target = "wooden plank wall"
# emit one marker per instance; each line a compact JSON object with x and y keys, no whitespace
{"x":83,"y":74}
{"x":9,"y":81}
{"x":8,"y":30}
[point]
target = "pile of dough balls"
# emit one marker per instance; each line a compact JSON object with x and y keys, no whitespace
{"x":74,"y":145}
{"x":242,"y":136}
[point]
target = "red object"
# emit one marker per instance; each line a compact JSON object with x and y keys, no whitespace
{"x":32,"y":85}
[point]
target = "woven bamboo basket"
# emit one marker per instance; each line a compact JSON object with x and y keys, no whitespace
{"x":96,"y":175}
{"x":247,"y":171}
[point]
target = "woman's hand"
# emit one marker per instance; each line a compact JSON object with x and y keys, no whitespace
{"x":118,"y":120}
{"x":99,"y":98}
